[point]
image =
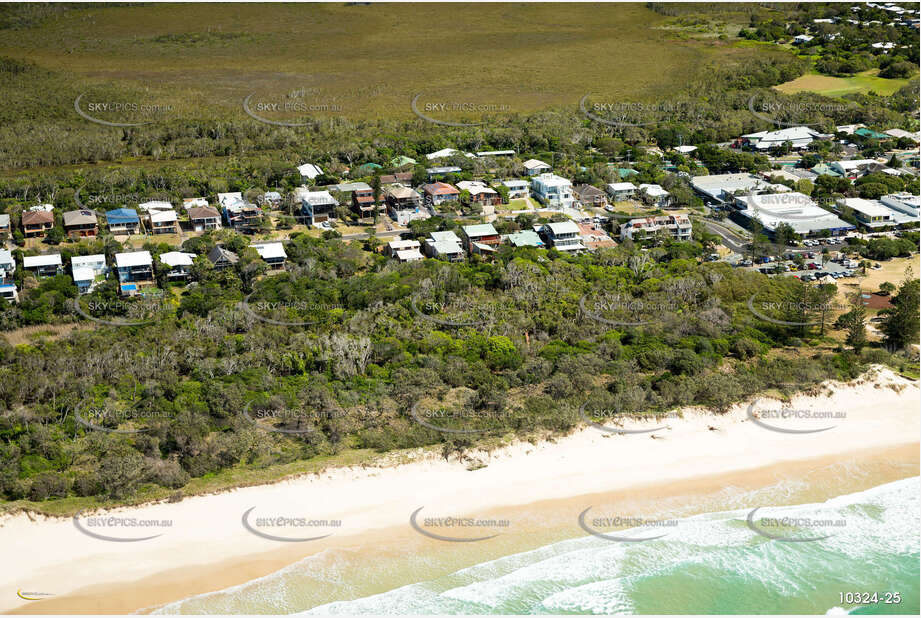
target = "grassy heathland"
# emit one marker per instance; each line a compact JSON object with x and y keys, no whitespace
{"x":361,"y":60}
{"x":836,"y":86}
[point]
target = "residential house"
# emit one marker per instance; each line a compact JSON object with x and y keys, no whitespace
{"x":123,"y":221}
{"x":37,"y":223}
{"x":533,"y":167}
{"x":441,"y":154}
{"x":401,"y":245}
{"x":87,"y":271}
{"x":309,"y":171}
{"x":676,"y":226}
{"x":594,"y":238}
{"x":553,"y":191}
{"x":655,"y":195}
{"x":495,"y":153}
{"x":4,"y":227}
{"x":272,"y":198}
{"x":204,"y":218}
{"x":243,"y":217}
{"x":525,"y":238}
{"x":363,"y":200}
{"x":439,"y":192}
{"x":621,"y":191}
{"x":588,"y":195}
{"x":480,"y":192}
{"x":517,"y":188}
{"x":444,"y":246}
{"x":222,"y":258}
{"x":482,"y":238}
{"x":432,"y":172}
{"x":7,"y":281}
{"x":404,"y":204}
{"x":80,"y":224}
{"x":179,"y":264}
{"x":563,"y":236}
{"x":43,"y":265}
{"x":398,"y":178}
{"x":194,"y":202}
{"x":316,"y":206}
{"x":226,"y":199}
{"x":402,"y":161}
{"x":272,"y":253}
{"x":155,"y":206}
{"x":409,"y":255}
{"x":163,"y":222}
{"x":135,"y":271}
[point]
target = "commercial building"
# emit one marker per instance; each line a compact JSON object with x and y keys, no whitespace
{"x":795,"y":209}
{"x":869,"y":213}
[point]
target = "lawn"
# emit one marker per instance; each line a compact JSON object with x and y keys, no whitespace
{"x":838,"y":86}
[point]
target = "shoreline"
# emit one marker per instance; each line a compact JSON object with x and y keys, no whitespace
{"x":697,"y":457}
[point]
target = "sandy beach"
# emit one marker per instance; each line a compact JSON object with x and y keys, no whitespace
{"x":207,"y":545}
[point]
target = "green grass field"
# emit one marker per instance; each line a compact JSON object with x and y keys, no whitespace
{"x":837,"y":86}
{"x":361,"y":61}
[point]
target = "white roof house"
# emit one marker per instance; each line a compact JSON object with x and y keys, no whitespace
{"x":563,"y":227}
{"x":42,"y":207}
{"x":270,"y":250}
{"x":95,"y":262}
{"x":316,"y":198}
{"x":653,"y":190}
{"x":402,"y":245}
{"x":229,"y":199}
{"x":447,"y":236}
{"x":133,"y":258}
{"x":194,"y":202}
{"x":475,"y":187}
{"x":177,"y":258}
{"x":536,"y":165}
{"x":799,"y":137}
{"x":6,"y":261}
{"x":156,"y":205}
{"x":163,"y":216}
{"x":35,"y":261}
{"x":82,"y":273}
{"x":309,"y":170}
{"x":620,"y":187}
{"x":409,"y":255}
{"x":685,"y":149}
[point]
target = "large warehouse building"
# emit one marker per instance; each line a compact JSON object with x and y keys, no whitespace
{"x":793,"y":208}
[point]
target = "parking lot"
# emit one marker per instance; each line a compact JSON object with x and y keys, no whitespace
{"x":814,"y":266}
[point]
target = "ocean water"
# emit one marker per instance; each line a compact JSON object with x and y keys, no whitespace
{"x":712,"y":563}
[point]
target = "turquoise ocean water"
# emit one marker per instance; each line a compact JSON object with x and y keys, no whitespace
{"x":707,"y":564}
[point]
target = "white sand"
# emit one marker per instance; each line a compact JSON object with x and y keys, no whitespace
{"x":51,"y":555}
